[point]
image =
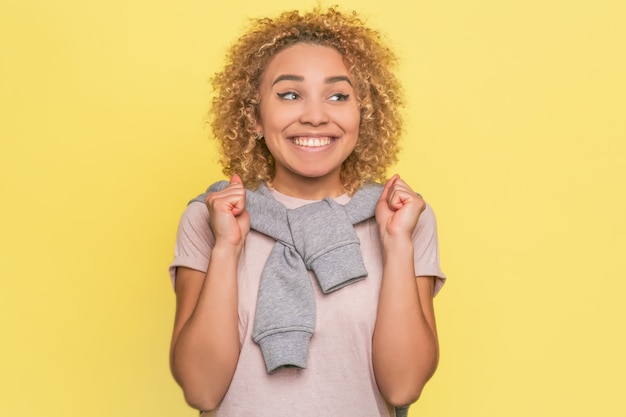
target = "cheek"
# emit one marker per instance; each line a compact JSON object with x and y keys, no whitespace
{"x":277,"y":119}
{"x":353,"y":120}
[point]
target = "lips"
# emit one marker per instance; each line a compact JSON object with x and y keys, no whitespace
{"x":312,"y":142}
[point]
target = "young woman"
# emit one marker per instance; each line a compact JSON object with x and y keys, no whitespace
{"x":303,"y":287}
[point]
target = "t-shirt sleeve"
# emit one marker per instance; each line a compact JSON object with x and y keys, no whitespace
{"x":426,"y":248}
{"x":194,"y":240}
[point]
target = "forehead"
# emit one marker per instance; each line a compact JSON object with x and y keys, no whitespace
{"x":306,"y":60}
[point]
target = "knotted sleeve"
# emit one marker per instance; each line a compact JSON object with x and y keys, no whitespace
{"x":328,"y":243}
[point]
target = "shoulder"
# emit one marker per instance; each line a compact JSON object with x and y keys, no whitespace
{"x":194,"y":240}
{"x":194,"y":224}
{"x":427,"y":223}
{"x":196,"y":213}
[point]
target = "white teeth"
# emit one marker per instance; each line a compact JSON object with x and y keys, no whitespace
{"x":312,"y":142}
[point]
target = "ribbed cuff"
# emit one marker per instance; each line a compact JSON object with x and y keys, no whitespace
{"x":339,"y":267}
{"x":288,"y":348}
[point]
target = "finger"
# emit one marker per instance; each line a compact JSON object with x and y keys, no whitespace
{"x":399,"y":184}
{"x":240,"y":204}
{"x":386,"y":189}
{"x":397,"y":193}
{"x":232,"y":198}
{"x":401,"y":194}
{"x":236,"y":179}
{"x":399,"y":198}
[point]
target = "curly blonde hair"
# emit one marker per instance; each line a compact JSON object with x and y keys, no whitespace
{"x":235,"y":104}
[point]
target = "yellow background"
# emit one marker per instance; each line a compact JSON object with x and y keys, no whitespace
{"x":516,"y":136}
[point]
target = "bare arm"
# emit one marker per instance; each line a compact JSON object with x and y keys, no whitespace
{"x":205,"y":341}
{"x":405,"y":345}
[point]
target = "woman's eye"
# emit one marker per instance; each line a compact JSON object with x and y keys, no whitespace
{"x":289,"y":95}
{"x":339,"y":97}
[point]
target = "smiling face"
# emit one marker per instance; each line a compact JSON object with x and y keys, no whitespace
{"x":309,"y":117}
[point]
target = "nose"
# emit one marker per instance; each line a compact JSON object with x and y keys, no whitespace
{"x":314,"y":112}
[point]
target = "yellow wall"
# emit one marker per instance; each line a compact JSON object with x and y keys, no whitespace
{"x":517,"y":137}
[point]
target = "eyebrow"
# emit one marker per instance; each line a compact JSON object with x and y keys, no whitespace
{"x":299,"y":78}
{"x":337,"y":79}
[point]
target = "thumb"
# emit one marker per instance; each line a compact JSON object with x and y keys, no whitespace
{"x":238,"y":205}
{"x":385,"y":193}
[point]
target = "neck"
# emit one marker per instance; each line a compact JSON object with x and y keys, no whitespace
{"x":309,"y":188}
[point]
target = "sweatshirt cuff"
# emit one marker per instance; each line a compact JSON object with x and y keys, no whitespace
{"x":285,"y":349}
{"x":339,"y":267}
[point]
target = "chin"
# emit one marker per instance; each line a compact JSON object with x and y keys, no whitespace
{"x":315,"y":175}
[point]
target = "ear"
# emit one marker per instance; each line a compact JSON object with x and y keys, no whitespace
{"x":258,"y":128}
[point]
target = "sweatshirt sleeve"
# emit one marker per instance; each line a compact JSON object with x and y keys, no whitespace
{"x":194,"y":240}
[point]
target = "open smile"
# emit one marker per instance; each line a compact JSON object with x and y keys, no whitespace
{"x":312,"y":142}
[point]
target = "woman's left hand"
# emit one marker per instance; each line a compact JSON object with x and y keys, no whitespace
{"x":398,"y":209}
{"x":405,"y":348}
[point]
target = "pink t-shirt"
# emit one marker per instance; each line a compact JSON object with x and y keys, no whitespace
{"x":339,"y":378}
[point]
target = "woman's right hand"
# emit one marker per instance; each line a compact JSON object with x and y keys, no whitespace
{"x":229,"y":218}
{"x":205,"y":340}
